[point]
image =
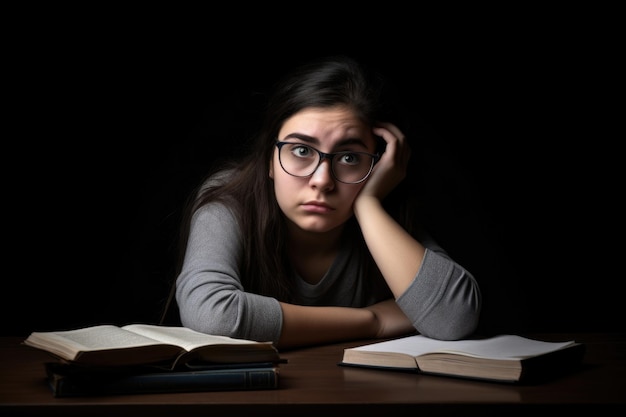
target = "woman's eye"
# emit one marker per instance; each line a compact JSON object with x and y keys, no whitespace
{"x":301,"y":151}
{"x":350,"y":158}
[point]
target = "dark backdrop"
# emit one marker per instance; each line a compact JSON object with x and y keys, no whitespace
{"x":112,"y":126}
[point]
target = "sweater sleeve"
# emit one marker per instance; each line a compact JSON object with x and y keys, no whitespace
{"x":209,"y":292}
{"x":444,"y":300}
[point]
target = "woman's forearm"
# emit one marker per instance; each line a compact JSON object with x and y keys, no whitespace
{"x":306,"y":325}
{"x":397,"y":254}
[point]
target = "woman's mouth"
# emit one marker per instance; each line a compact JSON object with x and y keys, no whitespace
{"x":316,"y":207}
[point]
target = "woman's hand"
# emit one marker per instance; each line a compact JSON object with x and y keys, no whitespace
{"x":392,"y":166}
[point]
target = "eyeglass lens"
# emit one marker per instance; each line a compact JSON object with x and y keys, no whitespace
{"x":302,"y":160}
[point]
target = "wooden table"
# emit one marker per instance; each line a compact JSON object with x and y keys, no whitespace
{"x":312,"y":384}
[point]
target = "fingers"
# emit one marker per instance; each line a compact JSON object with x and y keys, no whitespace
{"x":388,"y":131}
{"x":392,"y":167}
{"x":397,"y":146}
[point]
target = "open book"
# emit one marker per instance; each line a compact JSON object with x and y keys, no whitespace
{"x":506,"y":358}
{"x":144,"y":344}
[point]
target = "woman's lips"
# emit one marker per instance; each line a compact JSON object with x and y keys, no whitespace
{"x":316,"y":207}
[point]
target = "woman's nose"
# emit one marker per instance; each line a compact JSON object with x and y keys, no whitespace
{"x":323,"y":177}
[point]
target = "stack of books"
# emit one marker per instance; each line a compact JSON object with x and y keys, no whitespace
{"x":144,"y":358}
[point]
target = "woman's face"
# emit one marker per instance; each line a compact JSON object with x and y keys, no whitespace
{"x":319,"y":203}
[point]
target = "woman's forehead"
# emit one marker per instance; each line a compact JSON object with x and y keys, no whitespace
{"x":326,"y":123}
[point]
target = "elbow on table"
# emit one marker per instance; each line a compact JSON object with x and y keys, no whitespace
{"x":456,"y":326}
{"x":213,"y":322}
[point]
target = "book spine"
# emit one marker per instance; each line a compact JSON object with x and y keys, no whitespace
{"x":151,"y":383}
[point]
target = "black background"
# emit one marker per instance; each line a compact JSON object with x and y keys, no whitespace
{"x":111,"y":120}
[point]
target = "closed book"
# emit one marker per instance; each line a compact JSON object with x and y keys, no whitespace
{"x":68,"y":381}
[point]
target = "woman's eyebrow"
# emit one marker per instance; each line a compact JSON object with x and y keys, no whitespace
{"x":304,"y":138}
{"x":311,"y":139}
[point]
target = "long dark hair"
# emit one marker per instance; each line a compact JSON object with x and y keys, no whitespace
{"x":249,"y":190}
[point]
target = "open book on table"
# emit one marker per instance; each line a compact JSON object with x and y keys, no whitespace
{"x":505,"y":358}
{"x":145,"y":344}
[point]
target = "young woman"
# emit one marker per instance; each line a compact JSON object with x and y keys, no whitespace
{"x":310,"y":238}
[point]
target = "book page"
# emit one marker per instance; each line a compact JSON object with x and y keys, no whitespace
{"x":184,"y":337}
{"x":69,"y":342}
{"x":505,"y":347}
{"x":499,"y":347}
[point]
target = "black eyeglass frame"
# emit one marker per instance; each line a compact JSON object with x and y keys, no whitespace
{"x":330,"y":157}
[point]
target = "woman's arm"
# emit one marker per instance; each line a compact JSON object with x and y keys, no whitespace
{"x":212,"y":300}
{"x":440,"y":297}
{"x":397,"y":254}
{"x":210,"y":296}
{"x":305,"y":325}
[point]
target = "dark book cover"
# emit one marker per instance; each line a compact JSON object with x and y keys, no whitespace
{"x":68,"y":381}
{"x":553,"y":365}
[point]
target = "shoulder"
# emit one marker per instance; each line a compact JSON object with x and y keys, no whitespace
{"x":218,"y":178}
{"x":216,"y":212}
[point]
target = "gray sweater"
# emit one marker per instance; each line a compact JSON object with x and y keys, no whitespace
{"x":443,"y":302}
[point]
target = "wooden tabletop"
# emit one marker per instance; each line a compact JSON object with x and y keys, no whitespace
{"x":312,"y":383}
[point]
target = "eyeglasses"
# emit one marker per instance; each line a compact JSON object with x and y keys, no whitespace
{"x":300,"y":160}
